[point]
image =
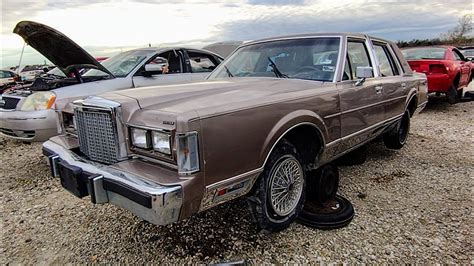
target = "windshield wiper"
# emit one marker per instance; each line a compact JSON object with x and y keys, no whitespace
{"x":228,"y":72}
{"x":275,"y":69}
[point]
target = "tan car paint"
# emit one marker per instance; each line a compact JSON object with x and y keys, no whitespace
{"x":239,"y":121}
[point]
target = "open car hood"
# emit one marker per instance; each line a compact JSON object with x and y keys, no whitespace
{"x":57,"y":47}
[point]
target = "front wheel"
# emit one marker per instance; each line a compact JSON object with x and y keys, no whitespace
{"x":279,"y":193}
{"x":397,"y":137}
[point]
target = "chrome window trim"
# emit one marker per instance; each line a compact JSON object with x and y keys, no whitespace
{"x":391,"y":54}
{"x":360,"y":39}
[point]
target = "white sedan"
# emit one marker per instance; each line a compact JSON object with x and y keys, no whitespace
{"x":29,"y":114}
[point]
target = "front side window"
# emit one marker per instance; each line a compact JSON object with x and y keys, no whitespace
{"x":357,"y":56}
{"x":312,"y":59}
{"x":122,"y":64}
{"x":386,"y":64}
{"x":171,"y":62}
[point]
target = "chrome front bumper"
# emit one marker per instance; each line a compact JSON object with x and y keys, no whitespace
{"x":154,"y":203}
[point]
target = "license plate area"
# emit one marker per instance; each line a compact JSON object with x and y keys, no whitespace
{"x":71,"y":179}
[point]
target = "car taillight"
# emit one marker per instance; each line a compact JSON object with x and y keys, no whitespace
{"x":438,"y":69}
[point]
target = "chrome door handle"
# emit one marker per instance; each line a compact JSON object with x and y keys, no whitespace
{"x":378,"y":89}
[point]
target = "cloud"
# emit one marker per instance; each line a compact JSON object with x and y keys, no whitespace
{"x":388,"y":20}
{"x":278,"y":2}
{"x":14,"y":11}
{"x":113,"y":25}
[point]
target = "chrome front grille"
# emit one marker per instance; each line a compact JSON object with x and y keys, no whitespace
{"x":97,"y":133}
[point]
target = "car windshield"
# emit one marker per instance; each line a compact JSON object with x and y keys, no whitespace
{"x":309,"y":58}
{"x":122,"y":64}
{"x":424,"y":53}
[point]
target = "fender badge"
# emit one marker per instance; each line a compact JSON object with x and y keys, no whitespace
{"x":171,"y":123}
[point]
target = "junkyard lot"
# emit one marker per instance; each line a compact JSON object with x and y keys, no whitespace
{"x":411,"y":205}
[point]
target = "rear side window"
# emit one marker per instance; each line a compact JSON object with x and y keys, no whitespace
{"x":357,"y":55}
{"x":201,"y":62}
{"x":386,"y":63}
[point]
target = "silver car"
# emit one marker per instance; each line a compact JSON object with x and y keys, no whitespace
{"x":28,"y":114}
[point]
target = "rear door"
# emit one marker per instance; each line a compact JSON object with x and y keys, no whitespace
{"x":361,"y":108}
{"x":176,"y":73}
{"x":394,"y":89}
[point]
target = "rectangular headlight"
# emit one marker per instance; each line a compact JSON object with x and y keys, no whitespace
{"x":139,"y":137}
{"x":161,"y":142}
{"x":187,"y":152}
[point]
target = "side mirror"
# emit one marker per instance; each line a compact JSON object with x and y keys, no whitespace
{"x":362,"y":73}
{"x":154,"y":68}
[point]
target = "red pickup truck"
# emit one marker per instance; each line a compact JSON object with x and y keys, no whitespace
{"x":446,"y":68}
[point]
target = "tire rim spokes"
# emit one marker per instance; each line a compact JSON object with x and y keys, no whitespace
{"x":286,"y":186}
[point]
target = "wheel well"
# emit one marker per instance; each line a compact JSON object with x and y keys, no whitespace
{"x":307,"y":141}
{"x":456,"y":80}
{"x":412,"y":105}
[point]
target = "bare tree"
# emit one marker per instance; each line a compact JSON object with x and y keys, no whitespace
{"x":461,"y":31}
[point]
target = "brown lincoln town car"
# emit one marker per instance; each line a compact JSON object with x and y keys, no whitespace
{"x":273,"y":110}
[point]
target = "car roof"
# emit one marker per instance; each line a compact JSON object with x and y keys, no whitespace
{"x":432,"y":46}
{"x":316,"y":35}
{"x":167,"y":48}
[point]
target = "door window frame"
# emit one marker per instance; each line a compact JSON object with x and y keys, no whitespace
{"x":181,"y":54}
{"x":367,"y":47}
{"x":215,"y":59}
{"x":391,"y":59}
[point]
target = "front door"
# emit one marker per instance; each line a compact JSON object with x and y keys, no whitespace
{"x":175,"y":72}
{"x":361,"y":107}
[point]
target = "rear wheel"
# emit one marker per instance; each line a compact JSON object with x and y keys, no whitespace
{"x":452,"y":95}
{"x":397,"y":137}
{"x":279,"y":193}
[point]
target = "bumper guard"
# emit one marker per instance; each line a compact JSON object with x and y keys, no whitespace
{"x":154,"y":203}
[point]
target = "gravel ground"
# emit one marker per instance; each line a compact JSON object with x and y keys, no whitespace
{"x":413,"y":205}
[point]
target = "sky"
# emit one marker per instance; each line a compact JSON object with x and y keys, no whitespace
{"x":104,"y":28}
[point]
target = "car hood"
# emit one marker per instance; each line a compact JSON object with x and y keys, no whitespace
{"x":56,"y":47}
{"x":220,"y":96}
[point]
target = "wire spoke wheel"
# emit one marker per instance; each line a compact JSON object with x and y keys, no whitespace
{"x":286,"y":186}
